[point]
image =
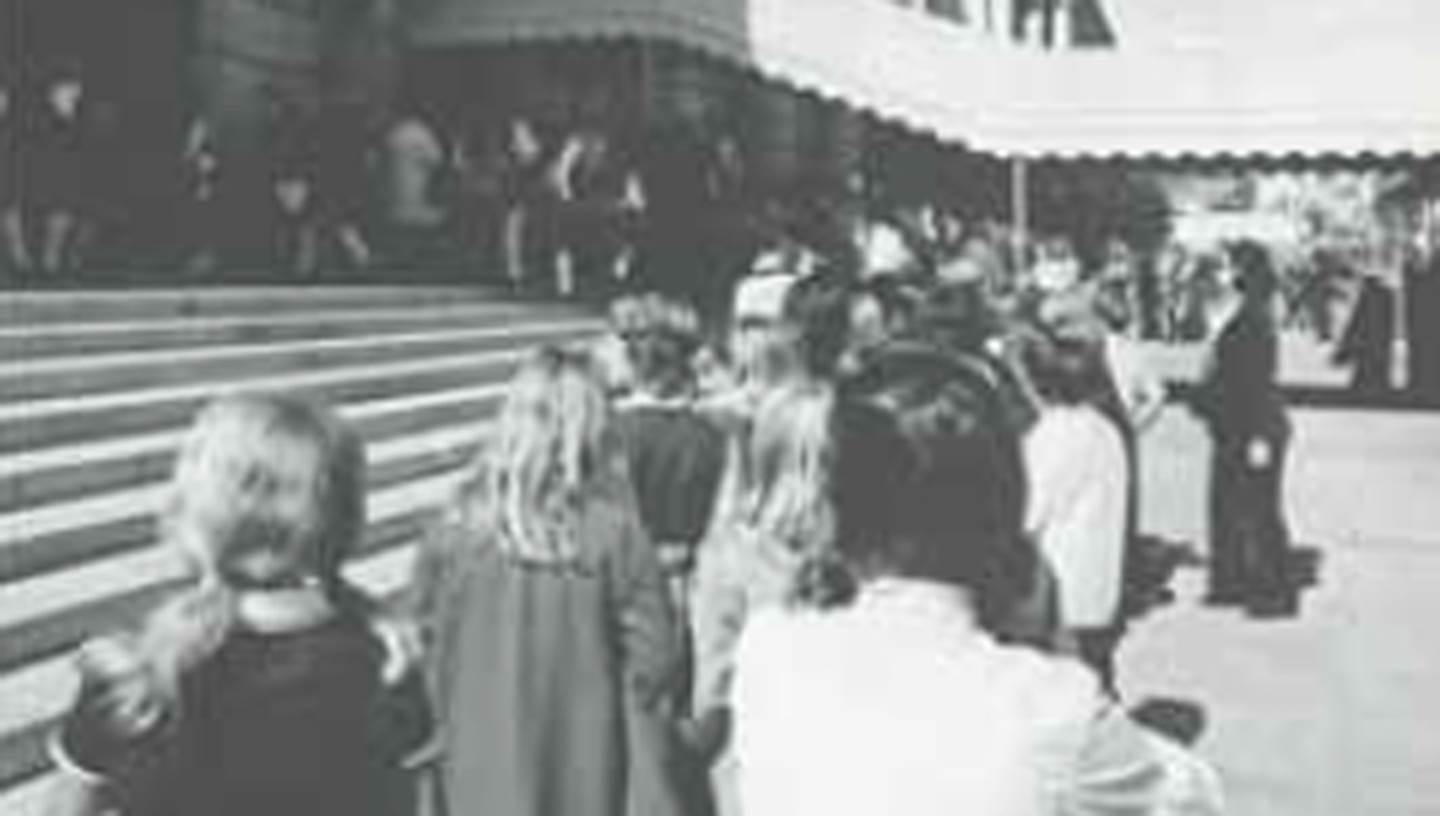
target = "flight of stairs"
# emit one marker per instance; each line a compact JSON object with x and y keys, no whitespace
{"x":97,"y":387}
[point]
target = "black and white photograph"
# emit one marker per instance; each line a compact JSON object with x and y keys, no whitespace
{"x":719,"y":407}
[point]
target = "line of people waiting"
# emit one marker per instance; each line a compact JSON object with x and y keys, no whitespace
{"x":872,"y":558}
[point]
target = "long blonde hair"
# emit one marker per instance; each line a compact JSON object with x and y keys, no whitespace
{"x":268,"y":492}
{"x":780,"y":488}
{"x":551,"y":449}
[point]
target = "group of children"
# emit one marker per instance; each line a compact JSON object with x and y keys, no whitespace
{"x":841,"y":572}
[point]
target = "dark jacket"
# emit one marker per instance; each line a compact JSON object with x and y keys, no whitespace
{"x":1239,"y":398}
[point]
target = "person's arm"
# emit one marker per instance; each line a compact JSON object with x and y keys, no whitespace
{"x":651,"y":649}
{"x":114,"y":736}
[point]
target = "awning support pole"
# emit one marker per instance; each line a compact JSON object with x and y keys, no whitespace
{"x":1019,"y":211}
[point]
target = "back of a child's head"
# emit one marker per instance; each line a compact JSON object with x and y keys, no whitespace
{"x":663,"y":361}
{"x":268,"y":492}
{"x":553,"y":446}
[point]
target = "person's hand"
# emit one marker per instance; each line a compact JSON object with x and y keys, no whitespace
{"x":120,"y":689}
{"x":404,"y":648}
{"x":1258,"y":454}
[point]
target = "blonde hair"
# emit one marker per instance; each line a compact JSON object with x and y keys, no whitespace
{"x":268,"y":490}
{"x":551,"y":448}
{"x":782,"y":489}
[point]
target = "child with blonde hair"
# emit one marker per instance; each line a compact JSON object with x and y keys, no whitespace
{"x":266,"y":685}
{"x":557,"y":652}
{"x":768,"y":546}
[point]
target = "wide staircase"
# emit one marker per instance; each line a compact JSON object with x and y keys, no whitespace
{"x":96,"y":389}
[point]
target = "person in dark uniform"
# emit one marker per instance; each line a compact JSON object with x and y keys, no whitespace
{"x":15,"y":257}
{"x":1422,"y":328}
{"x":599,"y":215}
{"x":1369,"y":340}
{"x":342,"y":180}
{"x":59,"y":169}
{"x":1241,"y":404}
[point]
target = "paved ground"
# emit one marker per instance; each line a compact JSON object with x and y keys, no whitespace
{"x":1335,"y":713}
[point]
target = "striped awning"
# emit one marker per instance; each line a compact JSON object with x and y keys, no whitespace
{"x":1358,"y":102}
{"x":954,"y":82}
{"x":901,"y":64}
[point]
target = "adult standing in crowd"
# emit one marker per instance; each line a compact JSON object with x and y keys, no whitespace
{"x":415,"y":221}
{"x":342,"y":176}
{"x":1241,"y":403}
{"x":1422,"y":319}
{"x":57,"y":163}
{"x":1368,"y":344}
{"x":16,"y":254}
{"x":1079,"y":471}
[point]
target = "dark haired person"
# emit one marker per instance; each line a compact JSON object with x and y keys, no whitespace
{"x":676,"y":456}
{"x":1369,"y":340}
{"x":58,"y":168}
{"x":897,"y":699}
{"x":14,"y":251}
{"x":1241,"y":404}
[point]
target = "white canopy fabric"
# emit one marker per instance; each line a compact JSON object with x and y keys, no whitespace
{"x":948,"y":80}
{"x":1344,"y":101}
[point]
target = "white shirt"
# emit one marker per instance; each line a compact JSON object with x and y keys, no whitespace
{"x":1140,"y":390}
{"x":416,"y":155}
{"x":900,"y":704}
{"x":1079,"y":481}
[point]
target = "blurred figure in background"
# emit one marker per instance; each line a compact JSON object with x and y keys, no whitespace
{"x":414,"y":219}
{"x":14,"y":246}
{"x":58,"y":167}
{"x":1368,"y":343}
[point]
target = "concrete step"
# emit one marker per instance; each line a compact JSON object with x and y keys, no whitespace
{"x":36,"y":478}
{"x":56,"y":535}
{"x":108,"y":372}
{"x":40,"y":340}
{"x":96,"y":390}
{"x":35,"y":424}
{"x":31,"y":308}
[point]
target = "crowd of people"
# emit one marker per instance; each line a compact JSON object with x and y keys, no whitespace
{"x":875,"y":553}
{"x":560,"y":203}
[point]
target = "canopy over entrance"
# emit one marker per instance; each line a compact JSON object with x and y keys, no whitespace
{"x":901,"y":64}
{"x":1357,"y":102}
{"x":961,"y":85}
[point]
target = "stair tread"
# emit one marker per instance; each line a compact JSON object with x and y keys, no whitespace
{"x":15,"y":465}
{"x":49,"y":593}
{"x":139,"y":501}
{"x":233,"y":351}
{"x":138,"y":398}
{"x":223,"y":323}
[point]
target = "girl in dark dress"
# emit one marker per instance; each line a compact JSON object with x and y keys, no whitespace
{"x":267,"y":686}
{"x":676,"y":455}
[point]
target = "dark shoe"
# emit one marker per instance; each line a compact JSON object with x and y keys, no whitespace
{"x":1224,"y":597}
{"x":1273,"y":606}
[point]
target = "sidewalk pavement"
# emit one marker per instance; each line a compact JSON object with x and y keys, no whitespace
{"x":1333,"y":713}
